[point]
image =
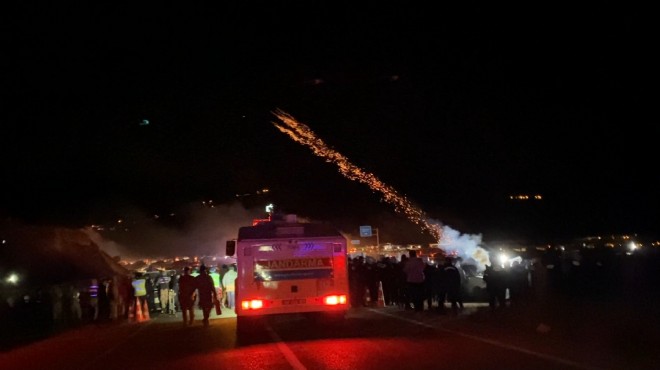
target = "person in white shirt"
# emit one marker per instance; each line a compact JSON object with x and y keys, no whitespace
{"x":228,"y":282}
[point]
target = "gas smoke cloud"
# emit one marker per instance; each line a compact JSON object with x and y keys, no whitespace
{"x":194,"y":230}
{"x":466,"y":246}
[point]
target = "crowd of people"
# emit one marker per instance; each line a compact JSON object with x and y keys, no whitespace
{"x":413,"y":284}
{"x":409,"y":283}
{"x":205,"y":288}
{"x":35,"y":312}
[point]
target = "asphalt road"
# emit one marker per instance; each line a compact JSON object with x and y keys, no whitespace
{"x":380,"y":338}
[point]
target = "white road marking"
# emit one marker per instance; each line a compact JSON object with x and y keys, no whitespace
{"x":286,"y":351}
{"x":511,"y":347}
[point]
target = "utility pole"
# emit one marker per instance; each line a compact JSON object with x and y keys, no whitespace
{"x":377,"y":240}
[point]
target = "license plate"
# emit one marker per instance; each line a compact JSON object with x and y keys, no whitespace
{"x":294,"y":301}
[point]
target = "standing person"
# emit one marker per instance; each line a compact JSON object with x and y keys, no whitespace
{"x":441,"y":286}
{"x":228,"y":281}
{"x":386,"y":276}
{"x":223,"y":299}
{"x":164,"y":290}
{"x":207,"y":293}
{"x":453,"y":280}
{"x":371,"y":279}
{"x":103,"y":301}
{"x":493,"y":278}
{"x":94,"y":298}
{"x":76,"y":309}
{"x":430,"y":289}
{"x":58,"y":312}
{"x":124,"y":293}
{"x":139,"y":291}
{"x":113,"y":296}
{"x":149,"y":284}
{"x":353,"y":282}
{"x":187,"y":296}
{"x":361,"y":281}
{"x":402,"y":285}
{"x":174,"y":292}
{"x":414,"y":270}
{"x":215,"y":275}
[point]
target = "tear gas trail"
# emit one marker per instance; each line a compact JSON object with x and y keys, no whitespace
{"x":463,"y":245}
{"x":302,"y":134}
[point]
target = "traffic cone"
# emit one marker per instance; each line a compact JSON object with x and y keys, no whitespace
{"x":145,"y":311}
{"x":381,"y":296}
{"x":138,"y":311}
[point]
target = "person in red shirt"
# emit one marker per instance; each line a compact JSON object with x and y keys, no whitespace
{"x":414,"y":270}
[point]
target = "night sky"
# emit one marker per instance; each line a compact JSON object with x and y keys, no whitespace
{"x":456,"y":107}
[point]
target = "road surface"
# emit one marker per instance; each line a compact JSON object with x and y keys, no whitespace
{"x":369,"y":338}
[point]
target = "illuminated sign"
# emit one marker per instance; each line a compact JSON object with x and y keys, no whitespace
{"x":289,"y":269}
{"x":298,"y":263}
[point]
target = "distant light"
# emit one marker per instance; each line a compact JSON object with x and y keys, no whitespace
{"x":120,"y":221}
{"x":503,"y":258}
{"x":12,"y":279}
{"x":144,"y":122}
{"x":269,"y":208}
{"x":632,"y":246}
{"x":4,"y":241}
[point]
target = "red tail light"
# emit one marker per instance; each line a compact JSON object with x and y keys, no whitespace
{"x":333,"y":300}
{"x":253,"y":304}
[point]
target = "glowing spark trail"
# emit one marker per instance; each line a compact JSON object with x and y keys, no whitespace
{"x":450,"y":240}
{"x":302,"y":134}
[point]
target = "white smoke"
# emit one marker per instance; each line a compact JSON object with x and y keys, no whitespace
{"x":110,"y":247}
{"x":198,"y":230}
{"x":466,"y":246}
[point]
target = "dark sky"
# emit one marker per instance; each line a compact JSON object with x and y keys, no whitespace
{"x":456,"y":107}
